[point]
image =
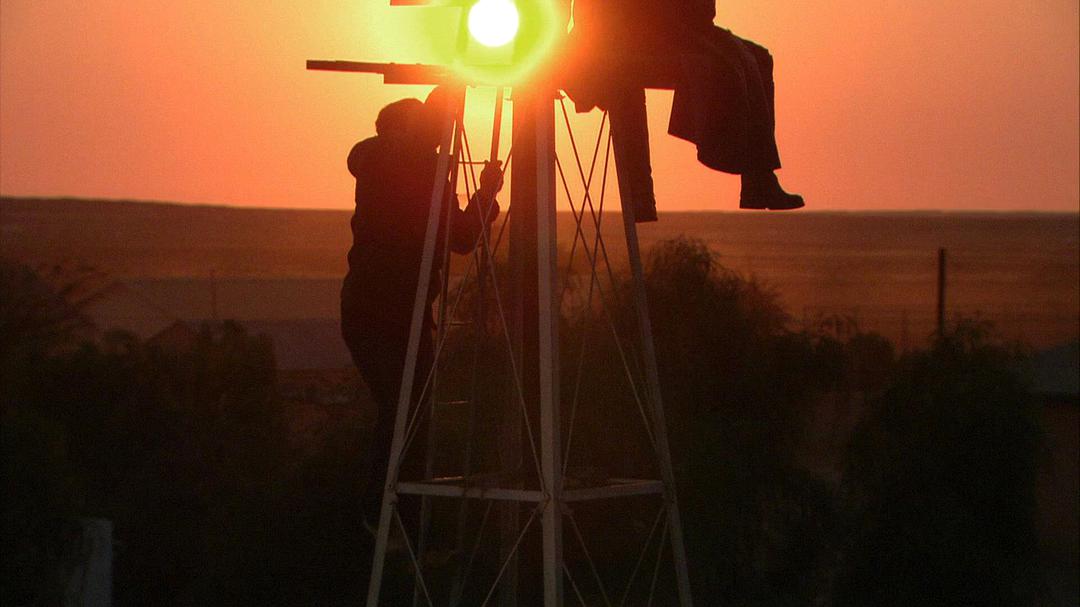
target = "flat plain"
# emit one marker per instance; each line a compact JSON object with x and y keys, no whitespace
{"x":876,"y":271}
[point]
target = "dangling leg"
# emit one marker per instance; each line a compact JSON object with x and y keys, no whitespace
{"x":760,"y":187}
{"x":630,"y":133}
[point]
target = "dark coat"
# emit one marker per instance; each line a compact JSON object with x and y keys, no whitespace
{"x":393,"y":198}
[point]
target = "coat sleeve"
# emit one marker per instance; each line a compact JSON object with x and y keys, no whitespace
{"x":466,"y":225}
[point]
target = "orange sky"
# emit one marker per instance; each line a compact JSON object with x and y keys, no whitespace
{"x":888,"y":104}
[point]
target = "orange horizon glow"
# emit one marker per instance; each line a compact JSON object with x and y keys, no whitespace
{"x":880,"y":106}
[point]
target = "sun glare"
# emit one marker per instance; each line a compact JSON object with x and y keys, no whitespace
{"x":493,"y":23}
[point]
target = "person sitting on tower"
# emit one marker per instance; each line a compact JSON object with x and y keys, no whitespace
{"x":395,"y":175}
{"x":724,"y":92}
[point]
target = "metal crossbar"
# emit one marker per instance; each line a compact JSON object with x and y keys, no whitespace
{"x":588,"y":302}
{"x":588,"y":557}
{"x":594,"y":259}
{"x":597,"y":214}
{"x":605,"y":308}
{"x":463,"y":573}
{"x":641,"y":556}
{"x":412,"y":557}
{"x":574,"y":586}
{"x":656,"y":567}
{"x":513,"y":551}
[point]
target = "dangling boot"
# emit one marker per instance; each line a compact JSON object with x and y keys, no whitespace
{"x":763,"y":191}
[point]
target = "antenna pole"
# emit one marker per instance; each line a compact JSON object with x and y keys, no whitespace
{"x":941,"y":293}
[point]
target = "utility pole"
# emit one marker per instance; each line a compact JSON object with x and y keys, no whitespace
{"x":941,"y":293}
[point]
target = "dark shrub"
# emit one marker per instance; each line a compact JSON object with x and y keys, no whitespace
{"x":940,"y":478}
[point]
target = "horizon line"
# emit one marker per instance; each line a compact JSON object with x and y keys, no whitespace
{"x":244,"y":207}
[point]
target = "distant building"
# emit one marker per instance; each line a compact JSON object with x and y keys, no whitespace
{"x":1056,"y":374}
{"x":245,"y":299}
{"x":177,"y":337}
{"x":312,"y":361}
{"x":304,"y":344}
{"x":120,"y":307}
{"x":313,"y":364}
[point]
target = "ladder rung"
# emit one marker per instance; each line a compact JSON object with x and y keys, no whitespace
{"x":614,"y":488}
{"x":491,"y":493}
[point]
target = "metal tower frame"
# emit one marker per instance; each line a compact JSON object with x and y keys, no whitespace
{"x":530,"y":333}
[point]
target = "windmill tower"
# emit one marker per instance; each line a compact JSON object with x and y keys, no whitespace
{"x":521,"y":300}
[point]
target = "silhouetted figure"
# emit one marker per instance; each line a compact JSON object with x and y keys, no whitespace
{"x":395,"y":173}
{"x":724,"y":93}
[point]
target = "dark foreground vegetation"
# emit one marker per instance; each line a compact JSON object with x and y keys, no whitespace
{"x":222,"y":492}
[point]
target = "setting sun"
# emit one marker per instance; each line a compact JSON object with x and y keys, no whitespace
{"x":493,"y":23}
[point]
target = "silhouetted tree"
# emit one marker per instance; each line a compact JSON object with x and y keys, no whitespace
{"x":738,"y":384}
{"x":43,"y":309}
{"x":218,"y":499}
{"x":43,"y":487}
{"x":184,"y":451}
{"x":940,"y":480}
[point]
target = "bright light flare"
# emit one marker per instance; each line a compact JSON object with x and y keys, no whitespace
{"x":493,"y":23}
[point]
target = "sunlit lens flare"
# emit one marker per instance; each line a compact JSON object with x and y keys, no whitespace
{"x":493,"y":23}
